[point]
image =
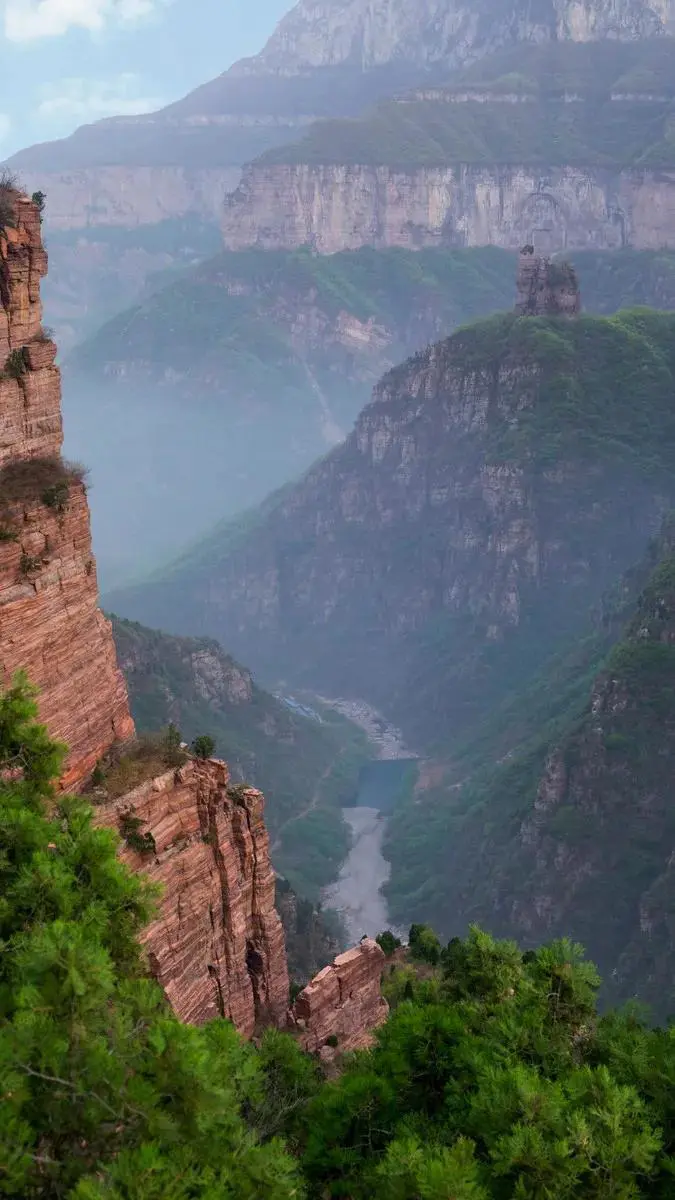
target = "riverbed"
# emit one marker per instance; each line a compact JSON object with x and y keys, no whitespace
{"x":356,"y":894}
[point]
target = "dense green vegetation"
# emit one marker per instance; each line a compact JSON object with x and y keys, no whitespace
{"x":307,"y":768}
{"x":591,"y":130}
{"x":494,"y":1078}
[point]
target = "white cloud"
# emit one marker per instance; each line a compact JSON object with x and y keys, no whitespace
{"x":29,"y":20}
{"x":81,"y":99}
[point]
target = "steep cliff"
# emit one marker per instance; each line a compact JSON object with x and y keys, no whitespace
{"x":496,"y":485}
{"x":217,"y":945}
{"x":566,"y":142}
{"x":307,"y":767}
{"x":50,"y":623}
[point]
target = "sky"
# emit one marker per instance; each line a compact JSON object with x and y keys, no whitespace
{"x":65,"y":63}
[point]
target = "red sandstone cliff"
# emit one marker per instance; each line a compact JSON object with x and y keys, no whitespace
{"x":50,"y":623}
{"x":217,"y":945}
{"x":343,"y":1001}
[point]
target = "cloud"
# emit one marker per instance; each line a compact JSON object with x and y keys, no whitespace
{"x":29,"y":20}
{"x":81,"y":99}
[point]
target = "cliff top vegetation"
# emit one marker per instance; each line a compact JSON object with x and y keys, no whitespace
{"x":594,"y":104}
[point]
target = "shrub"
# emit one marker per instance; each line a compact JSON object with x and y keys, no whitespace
{"x":332,"y":1040}
{"x":8,"y":190}
{"x":424,"y":944}
{"x":203,"y":746}
{"x":39,"y":200}
{"x":29,"y":563}
{"x":15,"y":366}
{"x":130,"y":829}
{"x":45,"y":480}
{"x":388,"y":942}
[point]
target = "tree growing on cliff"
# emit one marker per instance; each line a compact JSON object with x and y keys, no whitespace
{"x":203,"y":746}
{"x":104,"y":1093}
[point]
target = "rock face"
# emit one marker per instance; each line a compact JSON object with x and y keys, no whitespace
{"x":217,"y":945}
{"x":50,"y":623}
{"x":346,"y":206}
{"x":343,"y":1001}
{"x":373,"y":33}
{"x":544,"y":288}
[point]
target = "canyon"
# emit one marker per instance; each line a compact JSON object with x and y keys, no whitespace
{"x":500,"y":533}
{"x":216,"y":945}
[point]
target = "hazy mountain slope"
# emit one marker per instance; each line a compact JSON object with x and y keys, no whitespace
{"x":248,"y":368}
{"x":498,"y":483}
{"x":240,"y":375}
{"x":304,"y":766}
{"x":563,"y":141}
{"x":575,"y":831}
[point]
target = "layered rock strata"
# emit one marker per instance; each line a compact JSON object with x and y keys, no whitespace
{"x":217,"y":944}
{"x":346,"y":206}
{"x":50,"y":622}
{"x":343,"y":1002}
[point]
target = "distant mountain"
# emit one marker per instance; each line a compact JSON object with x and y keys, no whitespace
{"x":325,"y":60}
{"x":497,"y":484}
{"x":246,"y":370}
{"x":240,"y":374}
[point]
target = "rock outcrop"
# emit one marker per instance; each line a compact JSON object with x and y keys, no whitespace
{"x":343,"y":1004}
{"x":217,"y":944}
{"x":50,"y":623}
{"x":545,"y":288}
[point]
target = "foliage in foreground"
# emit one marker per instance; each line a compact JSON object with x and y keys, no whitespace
{"x":104,"y":1093}
{"x":494,"y":1078}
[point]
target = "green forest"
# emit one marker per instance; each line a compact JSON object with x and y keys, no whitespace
{"x":494,"y":1076}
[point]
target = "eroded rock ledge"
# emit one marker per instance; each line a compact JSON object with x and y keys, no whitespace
{"x":343,"y":1004}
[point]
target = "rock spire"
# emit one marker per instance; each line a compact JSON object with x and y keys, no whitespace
{"x":544,"y":287}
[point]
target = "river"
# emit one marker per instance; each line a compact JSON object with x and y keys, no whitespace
{"x":357,"y":893}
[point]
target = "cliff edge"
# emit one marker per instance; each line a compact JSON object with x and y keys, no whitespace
{"x":50,"y":622}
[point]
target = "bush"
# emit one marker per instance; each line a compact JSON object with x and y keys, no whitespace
{"x":29,"y":564}
{"x":203,"y":746}
{"x":388,"y":942}
{"x":130,"y":829}
{"x":39,"y":200}
{"x":43,"y":480}
{"x":8,"y":192}
{"x":332,"y":1040}
{"x":424,"y":945}
{"x":15,"y":365}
